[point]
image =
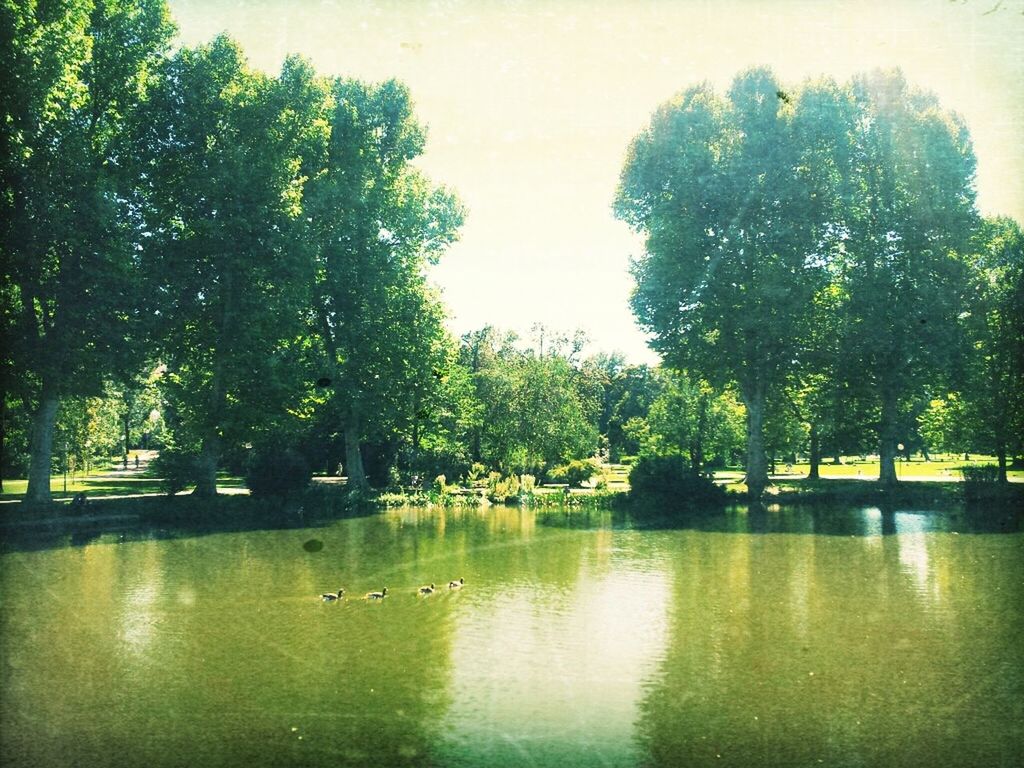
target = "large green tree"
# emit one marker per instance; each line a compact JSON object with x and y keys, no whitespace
{"x":689,"y":418}
{"x":223,"y":149}
{"x":74,"y":71}
{"x":536,"y":414}
{"x":733,"y":250}
{"x":985,"y":410}
{"x":375,"y":223}
{"x":907,"y":223}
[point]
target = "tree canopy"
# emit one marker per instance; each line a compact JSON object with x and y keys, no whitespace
{"x":772,"y":209}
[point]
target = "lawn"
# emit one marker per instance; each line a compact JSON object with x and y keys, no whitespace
{"x":104,"y":485}
{"x":940,"y":468}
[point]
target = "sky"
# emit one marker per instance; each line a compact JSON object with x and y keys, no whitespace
{"x":531,"y":105}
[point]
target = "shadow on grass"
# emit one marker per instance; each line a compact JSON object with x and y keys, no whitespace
{"x":163,"y":517}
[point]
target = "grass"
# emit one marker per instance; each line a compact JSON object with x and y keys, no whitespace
{"x":940,"y":468}
{"x":103,"y":485}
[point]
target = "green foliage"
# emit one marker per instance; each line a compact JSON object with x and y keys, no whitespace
{"x":74,"y":72}
{"x":669,"y":481}
{"x":223,"y":147}
{"x":980,"y":475}
{"x":787,"y":240}
{"x":503,"y":490}
{"x":575,"y":473}
{"x":176,"y":468}
{"x":374,"y":224}
{"x":727,"y":275}
{"x":985,"y":410}
{"x":692,"y":419}
{"x":909,"y":216}
{"x":536,"y":411}
{"x":274,"y":471}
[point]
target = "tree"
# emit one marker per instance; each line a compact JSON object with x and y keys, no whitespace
{"x":224,"y":147}
{"x":448,"y":418}
{"x":985,"y":410}
{"x":688,"y":418}
{"x":998,"y":339}
{"x":74,"y":73}
{"x":732,"y":255}
{"x":907,"y":222}
{"x":375,"y":223}
{"x":535,"y":415}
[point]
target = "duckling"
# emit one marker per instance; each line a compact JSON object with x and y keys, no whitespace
{"x":377,"y":595}
{"x":456,"y":584}
{"x":329,"y":596}
{"x":427,"y":590}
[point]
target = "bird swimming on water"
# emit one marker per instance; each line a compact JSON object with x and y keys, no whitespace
{"x":377,"y":595}
{"x":329,"y":596}
{"x":427,"y":590}
{"x":456,"y":584}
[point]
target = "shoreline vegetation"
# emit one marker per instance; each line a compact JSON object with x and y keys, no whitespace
{"x":118,"y":502}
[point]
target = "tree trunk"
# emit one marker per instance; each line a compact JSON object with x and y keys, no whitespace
{"x":815,"y":457}
{"x":702,"y":426}
{"x":209,"y":456}
{"x":757,"y":466}
{"x":887,"y":436}
{"x":1001,"y":456}
{"x":41,"y":450}
{"x":127,"y":435}
{"x":206,"y":466}
{"x":353,"y":453}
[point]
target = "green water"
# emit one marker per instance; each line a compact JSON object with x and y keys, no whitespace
{"x":885,"y":641}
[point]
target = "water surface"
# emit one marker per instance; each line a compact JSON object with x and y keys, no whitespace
{"x":785,"y":638}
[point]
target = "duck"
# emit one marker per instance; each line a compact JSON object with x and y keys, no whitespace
{"x":456,"y":584}
{"x":427,"y":590}
{"x":377,"y":595}
{"x":329,"y":596}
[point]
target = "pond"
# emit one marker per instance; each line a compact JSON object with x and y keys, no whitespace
{"x":852,"y":638}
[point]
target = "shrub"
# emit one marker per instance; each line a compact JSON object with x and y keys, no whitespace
{"x":527,"y":483}
{"x":982,"y":483}
{"x":276,"y":472}
{"x":980,"y":475}
{"x":176,"y":469}
{"x":502,"y":490}
{"x":575,"y":473}
{"x":670,"y":480}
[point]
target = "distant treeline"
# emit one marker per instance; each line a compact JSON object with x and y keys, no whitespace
{"x":231,"y":266}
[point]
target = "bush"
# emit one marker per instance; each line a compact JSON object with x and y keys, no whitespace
{"x":982,"y":483}
{"x":575,"y":473}
{"x":176,"y":469}
{"x":277,"y":472}
{"x":980,"y":475}
{"x":670,"y":480}
{"x":476,"y":473}
{"x":502,"y":490}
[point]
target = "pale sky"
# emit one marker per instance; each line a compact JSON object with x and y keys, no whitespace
{"x":531,"y":104}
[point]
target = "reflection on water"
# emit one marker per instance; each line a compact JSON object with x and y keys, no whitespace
{"x":783,"y":637}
